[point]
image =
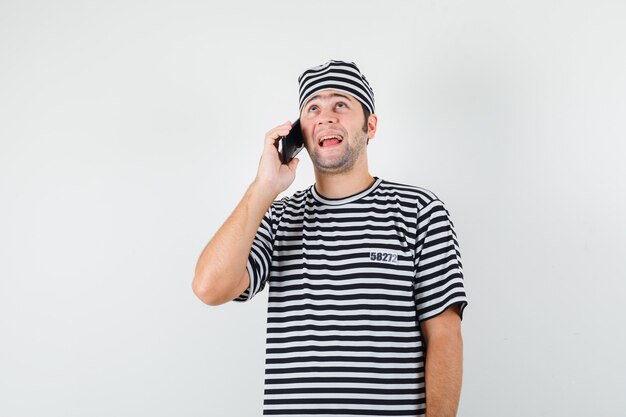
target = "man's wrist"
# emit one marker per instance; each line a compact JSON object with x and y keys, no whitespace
{"x":264,"y":191}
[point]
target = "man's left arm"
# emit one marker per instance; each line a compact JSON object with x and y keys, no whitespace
{"x":444,"y":362}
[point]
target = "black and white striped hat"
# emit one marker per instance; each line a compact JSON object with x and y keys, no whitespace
{"x":336,"y":75}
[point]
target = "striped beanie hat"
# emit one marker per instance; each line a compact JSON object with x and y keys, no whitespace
{"x":336,"y":75}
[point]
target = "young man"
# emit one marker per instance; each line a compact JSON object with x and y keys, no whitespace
{"x":366,"y":284}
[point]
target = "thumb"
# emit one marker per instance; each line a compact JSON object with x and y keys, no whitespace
{"x":293,"y":164}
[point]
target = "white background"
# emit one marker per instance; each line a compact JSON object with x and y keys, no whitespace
{"x":129,"y":130}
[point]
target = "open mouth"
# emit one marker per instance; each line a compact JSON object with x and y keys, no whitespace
{"x":328,"y":141}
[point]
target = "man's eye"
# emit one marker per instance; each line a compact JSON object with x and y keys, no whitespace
{"x":341,"y":104}
{"x":312,"y":108}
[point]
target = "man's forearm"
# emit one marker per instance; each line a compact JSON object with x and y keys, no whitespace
{"x":224,"y":258}
{"x":444,"y":371}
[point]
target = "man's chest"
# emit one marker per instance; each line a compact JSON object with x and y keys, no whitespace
{"x":373,"y":249}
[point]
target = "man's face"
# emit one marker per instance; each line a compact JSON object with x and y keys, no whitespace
{"x":333,"y":125}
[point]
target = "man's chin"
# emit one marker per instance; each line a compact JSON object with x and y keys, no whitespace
{"x":335,"y":166}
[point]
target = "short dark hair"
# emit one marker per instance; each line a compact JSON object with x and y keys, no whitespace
{"x":366,"y":113}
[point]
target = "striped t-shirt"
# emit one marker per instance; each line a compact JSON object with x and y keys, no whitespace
{"x":350,"y":280}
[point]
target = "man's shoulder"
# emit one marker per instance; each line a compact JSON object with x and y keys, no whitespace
{"x":422,"y":195}
{"x":297,"y":198}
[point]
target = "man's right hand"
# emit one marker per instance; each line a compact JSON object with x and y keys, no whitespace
{"x":272,"y":174}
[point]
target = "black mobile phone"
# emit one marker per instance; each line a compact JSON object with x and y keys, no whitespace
{"x":292,"y":143}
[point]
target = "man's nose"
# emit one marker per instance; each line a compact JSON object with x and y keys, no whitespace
{"x":327,"y":116}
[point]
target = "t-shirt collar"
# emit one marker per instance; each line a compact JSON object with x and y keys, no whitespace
{"x":344,"y":200}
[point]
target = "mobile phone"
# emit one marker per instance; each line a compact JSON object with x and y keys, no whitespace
{"x":292,"y":143}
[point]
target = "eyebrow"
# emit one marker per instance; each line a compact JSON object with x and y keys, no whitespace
{"x":317,"y":96}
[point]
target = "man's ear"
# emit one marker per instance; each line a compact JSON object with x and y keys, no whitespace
{"x":372,"y":123}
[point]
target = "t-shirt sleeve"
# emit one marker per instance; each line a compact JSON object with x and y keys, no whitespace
{"x":438,"y":280}
{"x":260,"y":257}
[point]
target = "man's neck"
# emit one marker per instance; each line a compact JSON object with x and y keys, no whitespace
{"x":344,"y":184}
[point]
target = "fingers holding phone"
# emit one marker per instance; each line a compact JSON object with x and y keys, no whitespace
{"x":272,"y":172}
